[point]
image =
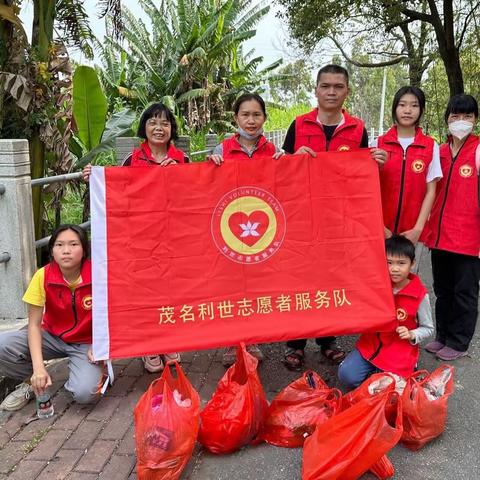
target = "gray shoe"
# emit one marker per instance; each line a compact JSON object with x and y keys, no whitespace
{"x":17,"y":399}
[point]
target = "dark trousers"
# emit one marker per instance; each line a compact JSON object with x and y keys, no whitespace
{"x":455,"y":282}
{"x":324,"y":342}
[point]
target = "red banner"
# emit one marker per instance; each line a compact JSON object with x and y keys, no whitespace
{"x":198,"y":256}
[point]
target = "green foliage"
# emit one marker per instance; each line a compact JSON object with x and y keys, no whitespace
{"x":190,"y":57}
{"x":293,"y":84}
{"x":89,"y":106}
{"x":281,"y":118}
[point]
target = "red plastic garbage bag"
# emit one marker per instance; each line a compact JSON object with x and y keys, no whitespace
{"x":373,"y":385}
{"x":237,"y":409}
{"x":425,"y":404}
{"x":166,"y":426}
{"x":383,"y":469}
{"x":297,"y":409}
{"x":347,"y":445}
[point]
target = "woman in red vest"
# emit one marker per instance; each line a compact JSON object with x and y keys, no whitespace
{"x":158,"y":128}
{"x":396,"y":352}
{"x":454,"y":233}
{"x":248,"y":143}
{"x":409,"y":177}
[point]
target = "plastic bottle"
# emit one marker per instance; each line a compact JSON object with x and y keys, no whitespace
{"x":44,"y":406}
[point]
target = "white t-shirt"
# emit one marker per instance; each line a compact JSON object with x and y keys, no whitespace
{"x":434,"y":169}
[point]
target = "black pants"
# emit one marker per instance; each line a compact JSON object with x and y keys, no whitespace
{"x":324,"y":342}
{"x":455,"y":282}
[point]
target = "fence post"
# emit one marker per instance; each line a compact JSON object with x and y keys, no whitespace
{"x":183,"y":143}
{"x":16,"y":231}
{"x":211,"y":141}
{"x":124,"y":146}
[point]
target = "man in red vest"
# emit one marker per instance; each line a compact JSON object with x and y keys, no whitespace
{"x":327,"y":127}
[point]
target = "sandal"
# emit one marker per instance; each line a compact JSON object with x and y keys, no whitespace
{"x":294,"y":359}
{"x":170,"y":358}
{"x":332,"y":354}
{"x":153,"y":363}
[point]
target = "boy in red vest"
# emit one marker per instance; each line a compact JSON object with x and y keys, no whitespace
{"x":396,"y":352}
{"x":328,"y":127}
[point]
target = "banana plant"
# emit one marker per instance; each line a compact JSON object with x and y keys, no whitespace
{"x":94,"y":133}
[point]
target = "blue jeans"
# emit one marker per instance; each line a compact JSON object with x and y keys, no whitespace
{"x":354,"y":370}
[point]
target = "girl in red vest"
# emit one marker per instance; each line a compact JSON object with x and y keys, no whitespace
{"x":158,"y":128}
{"x":409,"y":177}
{"x":249,"y":142}
{"x":454,"y":233}
{"x":396,"y":352}
{"x":59,"y":298}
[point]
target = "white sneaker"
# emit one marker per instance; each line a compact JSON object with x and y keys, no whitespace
{"x":17,"y":399}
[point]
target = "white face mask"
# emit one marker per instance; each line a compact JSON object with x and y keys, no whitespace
{"x":460,"y":128}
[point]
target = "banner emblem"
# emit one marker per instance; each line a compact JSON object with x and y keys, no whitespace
{"x":248,"y":225}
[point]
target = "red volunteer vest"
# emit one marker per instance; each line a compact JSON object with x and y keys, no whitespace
{"x":68,"y":314}
{"x":386,"y":350}
{"x":142,"y":156}
{"x":454,"y":223}
{"x":309,"y":133}
{"x":403,"y":179}
{"x":233,"y":150}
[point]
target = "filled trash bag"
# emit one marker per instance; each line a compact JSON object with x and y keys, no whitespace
{"x":237,"y":409}
{"x":166,"y":426}
{"x":425,"y":405}
{"x":297,"y":409}
{"x":351,"y":442}
{"x":373,"y":385}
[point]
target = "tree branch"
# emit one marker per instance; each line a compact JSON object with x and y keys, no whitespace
{"x":465,"y":25}
{"x":387,"y":63}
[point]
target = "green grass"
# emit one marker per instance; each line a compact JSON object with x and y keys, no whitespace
{"x":280,"y":119}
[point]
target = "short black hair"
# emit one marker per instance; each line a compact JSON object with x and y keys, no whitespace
{"x":82,"y":235}
{"x":416,"y":92}
{"x":400,"y":246}
{"x":157,"y":110}
{"x":247,"y":97}
{"x":337,"y":69}
{"x":461,"y":103}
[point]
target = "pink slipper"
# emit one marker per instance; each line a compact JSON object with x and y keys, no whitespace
{"x":448,"y":354}
{"x":434,"y":347}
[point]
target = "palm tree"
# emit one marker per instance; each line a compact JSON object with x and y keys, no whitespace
{"x":192,"y":57}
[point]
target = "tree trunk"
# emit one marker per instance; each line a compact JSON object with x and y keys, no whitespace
{"x":451,"y":61}
{"x":42,"y":36}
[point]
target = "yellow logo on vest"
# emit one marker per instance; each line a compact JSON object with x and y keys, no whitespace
{"x":401,"y":314}
{"x":343,"y":148}
{"x":418,"y":166}
{"x":465,"y":171}
{"x":87,"y":302}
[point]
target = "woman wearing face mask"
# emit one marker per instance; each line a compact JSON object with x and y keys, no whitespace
{"x":454,"y":233}
{"x":247,"y":143}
